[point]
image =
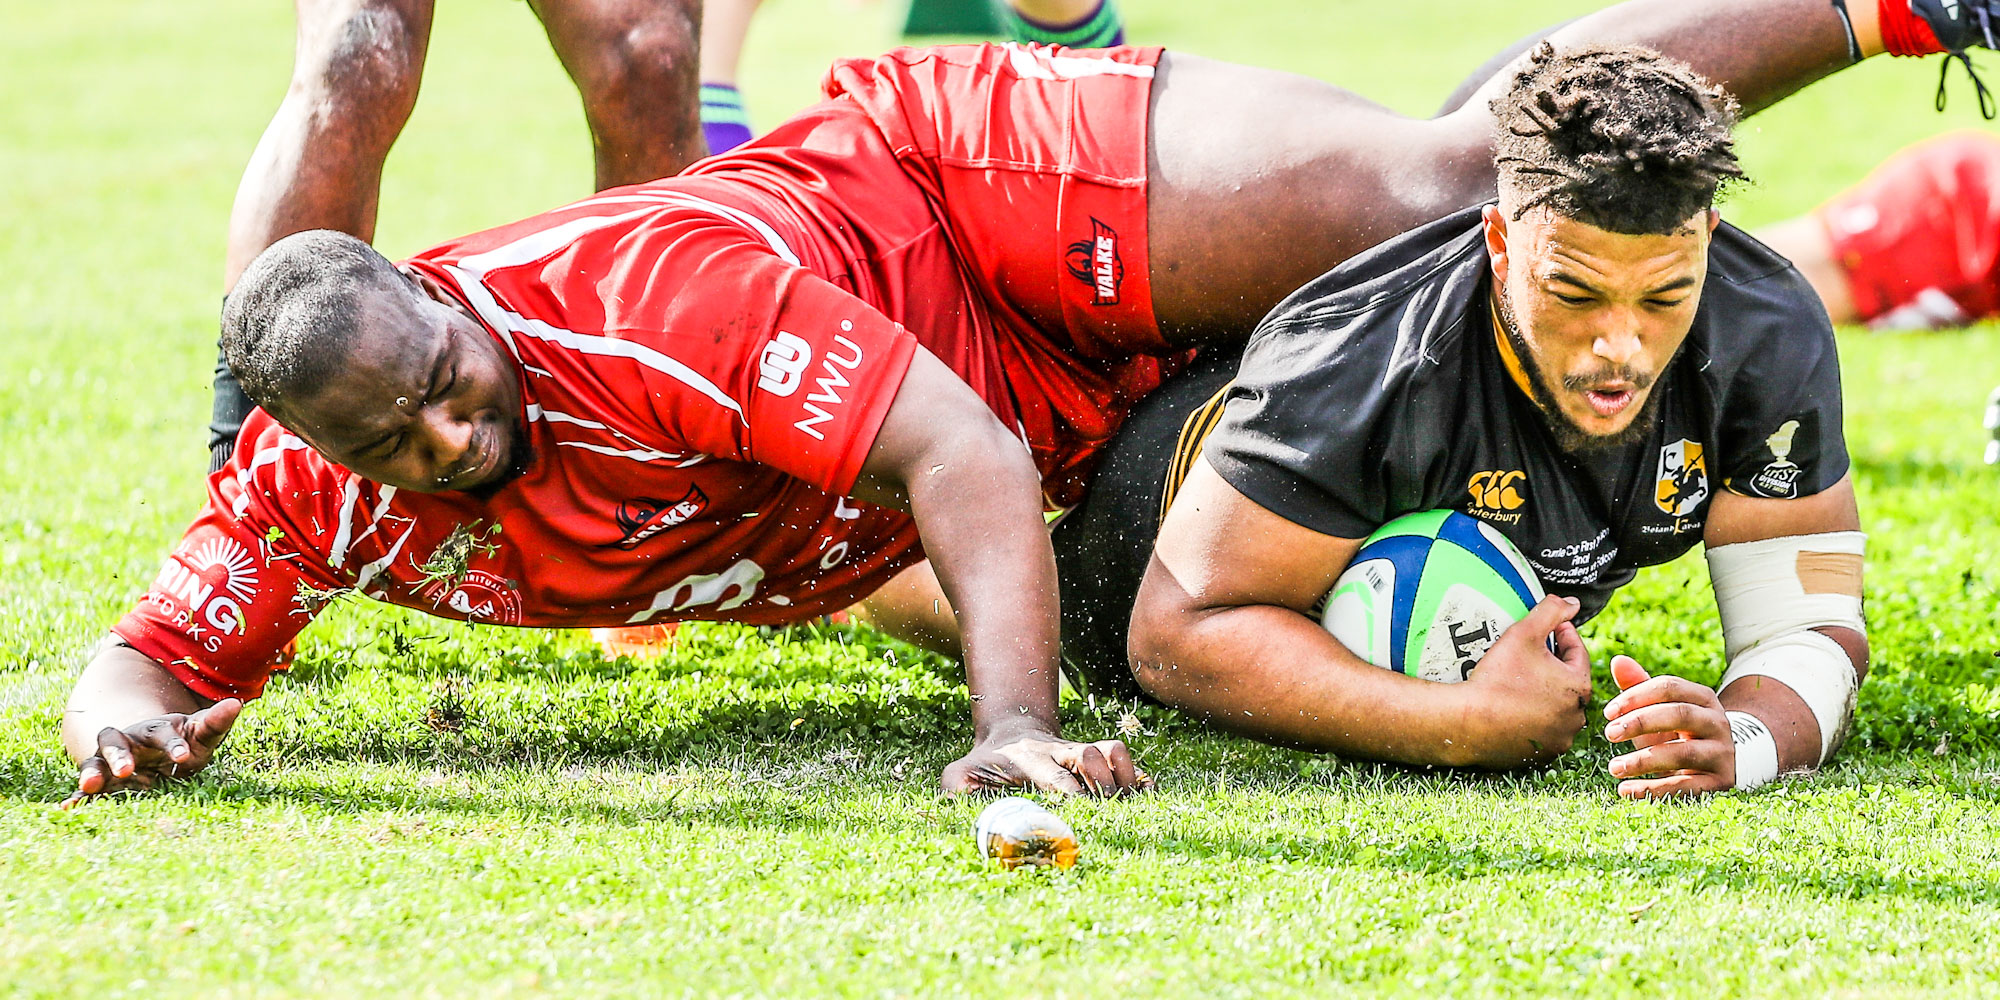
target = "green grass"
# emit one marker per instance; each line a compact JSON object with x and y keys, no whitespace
{"x":423,"y":808}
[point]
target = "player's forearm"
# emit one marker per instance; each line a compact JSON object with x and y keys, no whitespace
{"x":977,"y":503}
{"x":119,"y":687}
{"x":1793,"y":726}
{"x":1273,"y":674}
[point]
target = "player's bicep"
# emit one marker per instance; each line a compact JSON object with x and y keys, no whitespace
{"x":1222,"y":549}
{"x":1734,"y":518}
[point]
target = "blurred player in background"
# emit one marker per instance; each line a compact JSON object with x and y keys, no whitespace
{"x":356,"y":69}
{"x":1914,"y":246}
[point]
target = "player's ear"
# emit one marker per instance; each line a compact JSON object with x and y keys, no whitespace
{"x":427,"y":286}
{"x":1496,"y":240}
{"x":1714,"y":220}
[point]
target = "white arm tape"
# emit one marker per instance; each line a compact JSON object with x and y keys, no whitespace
{"x":1756,"y":751}
{"x":1815,"y":668}
{"x":1777,"y":586}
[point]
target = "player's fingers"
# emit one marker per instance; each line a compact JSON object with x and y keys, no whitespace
{"x":1124,"y":770}
{"x":1571,"y":650}
{"x":1658,"y":691}
{"x":1045,"y":773}
{"x":1542,"y":619}
{"x":211,"y":724}
{"x":92,"y":776}
{"x":1094,"y":769}
{"x":1673,"y":786}
{"x":1627,"y":673}
{"x":1677,"y":755}
{"x":116,"y":750}
{"x":1698,"y":721}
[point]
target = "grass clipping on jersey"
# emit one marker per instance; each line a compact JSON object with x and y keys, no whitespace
{"x":447,"y":564}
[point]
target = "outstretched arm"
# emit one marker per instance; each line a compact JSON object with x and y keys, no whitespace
{"x":1221,"y":628}
{"x":942,"y":455}
{"x":1788,"y":694}
{"x":131,"y":724}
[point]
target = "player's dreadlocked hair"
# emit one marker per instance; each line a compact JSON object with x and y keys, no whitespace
{"x":289,"y":319}
{"x":1621,"y":138}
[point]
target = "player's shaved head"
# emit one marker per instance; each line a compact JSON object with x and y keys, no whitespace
{"x":294,"y":316}
{"x":383,"y":372}
{"x":1621,"y":138}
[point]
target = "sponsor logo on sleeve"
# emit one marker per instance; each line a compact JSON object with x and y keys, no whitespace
{"x":1781,"y":477}
{"x":1681,"y":483}
{"x":205,"y":589}
{"x":1497,"y":495}
{"x":1095,"y":262}
{"x":641,"y":518}
{"x":783,"y":365}
{"x":821,"y":404}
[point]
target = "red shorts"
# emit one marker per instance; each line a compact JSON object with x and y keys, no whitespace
{"x":1012,"y":240}
{"x":1919,"y":238}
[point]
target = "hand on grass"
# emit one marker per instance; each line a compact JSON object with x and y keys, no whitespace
{"x":1679,"y":730}
{"x":1049,"y":763}
{"x":1528,"y":700}
{"x":144,"y":754}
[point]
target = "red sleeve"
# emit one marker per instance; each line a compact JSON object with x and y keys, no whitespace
{"x":800,"y":373}
{"x":227,"y":598}
{"x":815,"y":377}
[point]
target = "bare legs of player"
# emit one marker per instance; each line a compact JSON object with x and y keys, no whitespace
{"x":354,"y":82}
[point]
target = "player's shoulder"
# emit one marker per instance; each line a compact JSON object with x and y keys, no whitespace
{"x":275,"y":468}
{"x":1758,"y":313}
{"x":1393,"y":310}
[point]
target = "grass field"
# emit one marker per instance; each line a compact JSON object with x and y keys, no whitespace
{"x":430,"y":809}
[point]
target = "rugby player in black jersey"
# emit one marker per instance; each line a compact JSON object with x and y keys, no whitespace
{"x":1596,"y":367}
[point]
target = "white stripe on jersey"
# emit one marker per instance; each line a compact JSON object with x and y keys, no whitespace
{"x":640,"y":454}
{"x":287,"y":441}
{"x":1026,"y":63}
{"x":337,"y":555}
{"x":509,"y":322}
{"x":766,"y":230}
{"x":367,"y":573}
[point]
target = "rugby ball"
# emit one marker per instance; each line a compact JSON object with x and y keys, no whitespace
{"x":1428,"y":593}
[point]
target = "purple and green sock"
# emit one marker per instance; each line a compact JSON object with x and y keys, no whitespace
{"x":1101,"y":28}
{"x":723,"y":122}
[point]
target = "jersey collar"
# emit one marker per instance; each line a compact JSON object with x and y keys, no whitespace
{"x":1508,"y":358}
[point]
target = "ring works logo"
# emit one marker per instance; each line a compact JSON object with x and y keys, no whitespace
{"x":1095,"y":263}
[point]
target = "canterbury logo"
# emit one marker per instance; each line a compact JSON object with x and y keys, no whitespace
{"x":1497,"y":491}
{"x":783,"y":365}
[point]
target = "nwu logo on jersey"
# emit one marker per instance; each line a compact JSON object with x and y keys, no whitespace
{"x":1682,"y":481}
{"x":829,"y":383}
{"x":206,"y":588}
{"x":643,"y":517}
{"x":1095,"y":262}
{"x":783,"y":365}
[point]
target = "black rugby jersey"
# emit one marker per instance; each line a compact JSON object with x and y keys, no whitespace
{"x":1379,"y":389}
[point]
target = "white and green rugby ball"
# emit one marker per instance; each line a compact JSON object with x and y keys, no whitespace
{"x":1428,"y":593}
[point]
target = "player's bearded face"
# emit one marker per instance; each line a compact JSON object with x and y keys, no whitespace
{"x":1594,"y":317}
{"x":428,"y":401}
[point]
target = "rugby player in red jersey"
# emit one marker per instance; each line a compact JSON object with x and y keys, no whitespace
{"x":743,"y":393}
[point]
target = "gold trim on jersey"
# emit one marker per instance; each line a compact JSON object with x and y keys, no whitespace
{"x":1194,"y":430}
{"x":1508,"y":359}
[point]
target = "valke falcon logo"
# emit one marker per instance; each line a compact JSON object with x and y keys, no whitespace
{"x":1095,"y":262}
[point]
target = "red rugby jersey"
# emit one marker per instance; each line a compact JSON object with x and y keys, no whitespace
{"x":698,"y":399}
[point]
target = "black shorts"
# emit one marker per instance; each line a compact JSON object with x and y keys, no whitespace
{"x":1104,"y":543}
